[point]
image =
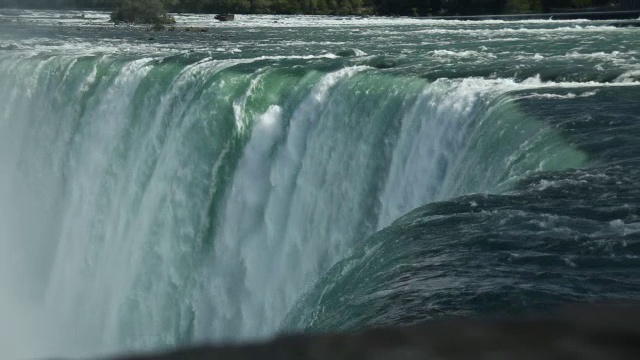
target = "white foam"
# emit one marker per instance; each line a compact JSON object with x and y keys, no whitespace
{"x":461,"y":54}
{"x":558,"y":96}
{"x":629,"y":77}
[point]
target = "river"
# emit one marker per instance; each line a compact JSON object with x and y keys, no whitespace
{"x":282,"y":173}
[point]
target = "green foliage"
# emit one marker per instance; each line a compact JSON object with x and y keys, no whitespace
{"x":152,"y":11}
{"x":533,"y":6}
{"x":523,"y":6}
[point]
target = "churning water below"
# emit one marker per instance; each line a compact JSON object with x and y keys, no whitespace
{"x":307,"y":173}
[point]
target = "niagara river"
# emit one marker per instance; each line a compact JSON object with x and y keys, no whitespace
{"x":280,"y":174}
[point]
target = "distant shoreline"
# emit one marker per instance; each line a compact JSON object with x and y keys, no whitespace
{"x":576,"y":15}
{"x":572,"y":15}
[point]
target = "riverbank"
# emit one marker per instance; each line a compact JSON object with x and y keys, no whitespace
{"x":587,"y":15}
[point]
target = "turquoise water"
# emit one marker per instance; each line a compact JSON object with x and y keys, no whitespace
{"x":307,"y":174}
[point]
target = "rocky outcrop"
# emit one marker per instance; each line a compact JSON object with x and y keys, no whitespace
{"x":585,"y":332}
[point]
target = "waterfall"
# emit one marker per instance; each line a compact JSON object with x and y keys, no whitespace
{"x":157,"y":202}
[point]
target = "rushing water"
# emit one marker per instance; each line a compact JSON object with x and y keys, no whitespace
{"x":307,"y":173}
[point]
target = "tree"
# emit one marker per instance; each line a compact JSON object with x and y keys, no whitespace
{"x":143,"y":10}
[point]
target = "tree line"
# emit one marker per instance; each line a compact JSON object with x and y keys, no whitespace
{"x":335,"y":7}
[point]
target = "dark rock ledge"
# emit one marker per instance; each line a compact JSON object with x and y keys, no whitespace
{"x":590,"y":332}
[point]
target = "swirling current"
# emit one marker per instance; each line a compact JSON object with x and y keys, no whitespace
{"x":279,"y":174}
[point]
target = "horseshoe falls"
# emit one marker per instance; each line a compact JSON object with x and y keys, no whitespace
{"x":291,"y":174}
